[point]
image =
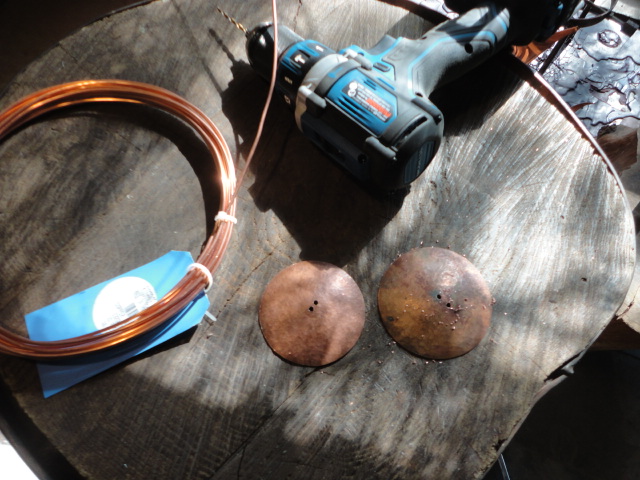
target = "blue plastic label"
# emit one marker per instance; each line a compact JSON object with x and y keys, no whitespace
{"x":362,"y":98}
{"x":103,"y":305}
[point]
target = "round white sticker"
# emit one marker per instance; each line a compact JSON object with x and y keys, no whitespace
{"x":121,"y":299}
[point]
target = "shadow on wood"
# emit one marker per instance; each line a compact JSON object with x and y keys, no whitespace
{"x":330,"y":216}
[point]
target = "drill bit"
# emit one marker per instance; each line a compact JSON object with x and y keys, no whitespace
{"x":233,"y":21}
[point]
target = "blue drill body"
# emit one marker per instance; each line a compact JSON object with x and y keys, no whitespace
{"x":369,"y":110}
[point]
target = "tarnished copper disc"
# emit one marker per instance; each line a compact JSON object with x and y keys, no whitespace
{"x":435,"y":303}
{"x":312,"y":313}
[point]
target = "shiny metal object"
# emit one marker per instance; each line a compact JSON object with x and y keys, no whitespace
{"x":598,"y":72}
{"x":435,"y":303}
{"x":503,"y":468}
{"x":233,"y":21}
{"x":312,"y":313}
{"x":628,"y":8}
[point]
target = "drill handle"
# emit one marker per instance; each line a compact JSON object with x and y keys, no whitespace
{"x":449,"y":50}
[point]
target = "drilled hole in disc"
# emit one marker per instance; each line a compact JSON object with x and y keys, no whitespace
{"x":435,"y":303}
{"x":312,"y":313}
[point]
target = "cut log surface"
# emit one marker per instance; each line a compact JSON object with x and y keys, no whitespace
{"x":622,"y":146}
{"x":90,"y":194}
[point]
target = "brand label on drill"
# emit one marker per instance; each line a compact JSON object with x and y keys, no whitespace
{"x":369,"y":100}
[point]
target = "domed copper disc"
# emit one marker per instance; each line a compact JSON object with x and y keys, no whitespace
{"x":435,"y":303}
{"x":312,"y":313}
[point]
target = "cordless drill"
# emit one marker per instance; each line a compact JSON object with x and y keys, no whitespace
{"x":369,"y":110}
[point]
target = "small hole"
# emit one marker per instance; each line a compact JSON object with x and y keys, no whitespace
{"x":438,"y":296}
{"x":449,"y":305}
{"x":315,"y":302}
{"x":468,"y":48}
{"x":311,"y":309}
{"x":419,"y":94}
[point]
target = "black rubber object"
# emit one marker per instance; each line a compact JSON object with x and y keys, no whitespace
{"x":530,"y":19}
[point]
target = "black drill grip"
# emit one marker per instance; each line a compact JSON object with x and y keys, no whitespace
{"x":449,"y":50}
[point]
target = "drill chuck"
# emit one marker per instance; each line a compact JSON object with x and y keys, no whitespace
{"x":260,"y":46}
{"x":296,"y":56}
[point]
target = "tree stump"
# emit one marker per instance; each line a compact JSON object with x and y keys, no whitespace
{"x":516,"y":187}
{"x":621,"y":145}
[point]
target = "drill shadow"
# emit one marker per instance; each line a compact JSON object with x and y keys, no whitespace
{"x":329,"y":215}
{"x":482,"y":91}
{"x":181,"y":135}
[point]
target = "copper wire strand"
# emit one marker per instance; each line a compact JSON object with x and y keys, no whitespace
{"x":272,"y":84}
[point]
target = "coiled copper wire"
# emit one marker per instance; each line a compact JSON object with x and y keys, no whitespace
{"x":192,"y":284}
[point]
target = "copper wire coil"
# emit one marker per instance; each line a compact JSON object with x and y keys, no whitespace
{"x":192,"y":284}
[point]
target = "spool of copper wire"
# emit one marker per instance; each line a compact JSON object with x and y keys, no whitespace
{"x":192,"y":284}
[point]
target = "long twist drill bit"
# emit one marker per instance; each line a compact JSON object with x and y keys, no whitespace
{"x":233,"y":21}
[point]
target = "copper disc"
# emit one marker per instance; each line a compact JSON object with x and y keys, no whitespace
{"x":312,"y":313}
{"x":435,"y":303}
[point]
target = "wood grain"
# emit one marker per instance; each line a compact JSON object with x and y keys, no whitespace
{"x":515,"y":187}
{"x":622,"y":147}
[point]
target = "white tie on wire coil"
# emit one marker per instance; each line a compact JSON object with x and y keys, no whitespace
{"x":225,"y":217}
{"x":205,"y":270}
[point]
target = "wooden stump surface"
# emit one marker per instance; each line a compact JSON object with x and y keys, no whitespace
{"x":91,"y":194}
{"x":622,"y":146}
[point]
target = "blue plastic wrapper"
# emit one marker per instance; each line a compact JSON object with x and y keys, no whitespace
{"x":105,"y":304}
